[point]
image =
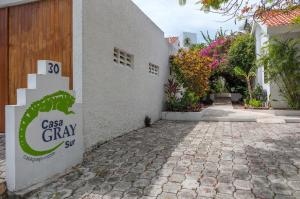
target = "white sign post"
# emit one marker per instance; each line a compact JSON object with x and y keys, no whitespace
{"x":44,"y":129}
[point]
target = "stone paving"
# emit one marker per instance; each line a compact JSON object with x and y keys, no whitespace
{"x":2,"y":157}
{"x":189,"y":160}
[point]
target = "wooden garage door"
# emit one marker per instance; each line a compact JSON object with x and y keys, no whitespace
{"x":39,"y":30}
{"x":3,"y":64}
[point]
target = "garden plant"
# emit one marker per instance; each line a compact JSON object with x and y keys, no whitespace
{"x":282,"y":66}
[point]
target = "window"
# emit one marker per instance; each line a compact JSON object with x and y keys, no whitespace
{"x":153,"y":69}
{"x":123,"y":58}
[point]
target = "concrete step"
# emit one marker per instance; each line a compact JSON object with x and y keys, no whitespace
{"x":222,"y":101}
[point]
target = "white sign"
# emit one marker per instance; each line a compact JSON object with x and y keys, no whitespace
{"x":44,"y":129}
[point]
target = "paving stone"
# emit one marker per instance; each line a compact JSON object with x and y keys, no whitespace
{"x":122,"y":186}
{"x":134,"y":192}
{"x":276,"y":178}
{"x":177,"y":178}
{"x":148,"y":174}
{"x":243,"y":184}
{"x":295,"y":185}
{"x":186,"y":194}
{"x":190,"y":184}
{"x":224,"y":196}
{"x":258,"y":181}
{"x":296,"y":194}
{"x":284,"y":197}
{"x":205,"y":191}
{"x":282,"y":189}
{"x":263,"y":192}
{"x":243,"y":194}
{"x":171,"y":187}
{"x":208,"y":181}
{"x":113,"y":195}
{"x":225,"y":188}
{"x":175,"y":159}
{"x":165,"y":195}
{"x":103,"y":188}
{"x":141,"y":183}
{"x":225,"y":177}
{"x":153,"y":190}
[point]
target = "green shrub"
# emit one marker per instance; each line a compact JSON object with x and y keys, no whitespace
{"x":242,"y":52}
{"x":189,"y":99}
{"x":260,"y":94}
{"x":255,"y":103}
{"x":282,"y":66}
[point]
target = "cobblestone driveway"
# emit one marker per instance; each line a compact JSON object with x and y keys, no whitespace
{"x":190,"y":160}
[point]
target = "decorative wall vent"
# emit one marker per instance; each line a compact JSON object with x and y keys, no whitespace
{"x":153,"y":69}
{"x":123,"y":58}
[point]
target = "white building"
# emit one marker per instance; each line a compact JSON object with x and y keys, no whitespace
{"x":187,"y":39}
{"x":118,"y":61}
{"x":279,"y":25}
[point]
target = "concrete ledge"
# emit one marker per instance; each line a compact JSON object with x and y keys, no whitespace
{"x":287,"y":112}
{"x":292,"y":120}
{"x":183,"y":116}
{"x":228,"y":119}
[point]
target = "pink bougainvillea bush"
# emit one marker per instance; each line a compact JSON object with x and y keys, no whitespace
{"x":217,"y":51}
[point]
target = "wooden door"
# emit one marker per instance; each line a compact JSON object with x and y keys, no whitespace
{"x":3,"y":65}
{"x":39,"y":30}
{"x":29,"y":32}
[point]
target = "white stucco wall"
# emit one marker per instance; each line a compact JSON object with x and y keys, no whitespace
{"x":117,"y":98}
{"x":261,"y":38}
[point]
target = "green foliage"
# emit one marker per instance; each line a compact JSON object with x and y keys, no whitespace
{"x":189,"y":100}
{"x":218,"y":86}
{"x":192,"y":71}
{"x":219,"y":34}
{"x":255,"y":103}
{"x":259,"y":93}
{"x":197,"y":46}
{"x":248,"y":76}
{"x":282,"y":65}
{"x":242,"y":52}
{"x":296,"y":20}
{"x":171,"y":90}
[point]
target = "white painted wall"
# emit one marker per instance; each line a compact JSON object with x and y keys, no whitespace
{"x":261,"y":38}
{"x":115,"y":98}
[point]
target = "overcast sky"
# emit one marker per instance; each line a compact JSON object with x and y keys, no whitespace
{"x":174,"y":19}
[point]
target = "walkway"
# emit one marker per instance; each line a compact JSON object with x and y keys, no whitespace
{"x":228,"y":114}
{"x":189,"y":160}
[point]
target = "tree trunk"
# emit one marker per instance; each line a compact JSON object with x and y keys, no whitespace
{"x":249,"y":88}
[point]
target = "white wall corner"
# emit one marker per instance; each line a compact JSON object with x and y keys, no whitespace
{"x":78,"y":49}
